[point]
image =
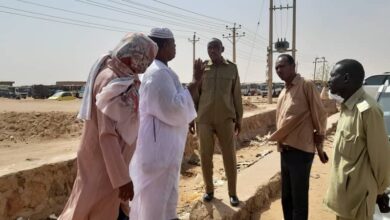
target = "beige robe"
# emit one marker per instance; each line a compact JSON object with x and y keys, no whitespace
{"x":103,"y":160}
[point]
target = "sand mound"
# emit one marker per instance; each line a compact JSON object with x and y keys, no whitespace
{"x":248,"y":105}
{"x":28,"y":126}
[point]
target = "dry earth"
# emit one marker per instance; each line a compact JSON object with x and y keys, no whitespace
{"x":33,"y":132}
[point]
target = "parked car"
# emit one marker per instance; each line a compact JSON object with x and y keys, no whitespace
{"x":383,"y":98}
{"x":82,"y":89}
{"x":62,"y":96}
{"x":21,"y":93}
{"x":276,"y":89}
{"x":372,"y":83}
{"x":249,"y":89}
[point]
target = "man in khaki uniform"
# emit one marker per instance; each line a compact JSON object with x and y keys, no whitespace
{"x":219,"y":106}
{"x":361,"y":166}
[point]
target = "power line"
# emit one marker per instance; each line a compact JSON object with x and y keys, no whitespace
{"x":91,"y":15}
{"x":63,"y":22}
{"x":116,"y":9}
{"x":68,"y":19}
{"x":183,"y":9}
{"x":251,"y":53}
{"x":80,"y":13}
{"x":189,"y":18}
{"x":189,"y":11}
{"x":159,"y":13}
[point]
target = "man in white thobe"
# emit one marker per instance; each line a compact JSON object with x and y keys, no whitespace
{"x":166,"y":109}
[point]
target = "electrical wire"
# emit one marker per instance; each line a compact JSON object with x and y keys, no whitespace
{"x":189,"y":11}
{"x":67,"y":19}
{"x":121,"y":10}
{"x":63,"y":22}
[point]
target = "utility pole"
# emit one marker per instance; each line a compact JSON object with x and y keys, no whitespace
{"x":234,"y":35}
{"x":323,"y":61}
{"x":270,"y":51}
{"x":323,"y":71}
{"x":193,"y":41}
{"x":315,"y":65}
{"x":281,"y":45}
{"x":294,"y":29}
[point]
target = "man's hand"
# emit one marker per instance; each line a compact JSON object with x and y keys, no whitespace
{"x":318,"y":138}
{"x":383,"y":203}
{"x":191,"y":127}
{"x":198,"y":70}
{"x":237,"y":128}
{"x":322,"y":154}
{"x":126,"y":191}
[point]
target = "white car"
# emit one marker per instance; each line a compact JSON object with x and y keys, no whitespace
{"x":383,"y":98}
{"x":372,"y":83}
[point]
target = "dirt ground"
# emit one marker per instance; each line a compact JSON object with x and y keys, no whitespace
{"x":34,"y":132}
{"x":319,"y":182}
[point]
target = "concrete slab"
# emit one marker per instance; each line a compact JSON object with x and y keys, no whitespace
{"x":256,"y":185}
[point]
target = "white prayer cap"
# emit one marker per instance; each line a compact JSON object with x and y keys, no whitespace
{"x":161,"y":33}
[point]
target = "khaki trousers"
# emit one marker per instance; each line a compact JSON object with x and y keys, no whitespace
{"x":225,"y":134}
{"x":360,"y":215}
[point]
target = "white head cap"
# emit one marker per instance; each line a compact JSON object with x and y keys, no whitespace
{"x":161,"y":33}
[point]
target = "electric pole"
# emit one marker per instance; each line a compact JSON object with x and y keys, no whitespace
{"x":315,"y":65}
{"x":281,"y":45}
{"x":323,"y":76}
{"x":193,"y":41}
{"x":293,"y":50}
{"x":234,"y":35}
{"x":323,"y":71}
{"x":270,"y":51}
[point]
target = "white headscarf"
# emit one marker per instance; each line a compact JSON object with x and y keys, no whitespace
{"x":140,"y":48}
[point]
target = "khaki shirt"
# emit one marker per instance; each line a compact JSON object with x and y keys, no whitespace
{"x":361,"y":165}
{"x":299,"y":112}
{"x":219,"y":97}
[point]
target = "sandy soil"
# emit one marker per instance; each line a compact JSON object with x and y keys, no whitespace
{"x":191,"y":183}
{"x":319,"y":181}
{"x":32,"y":146}
{"x":38,"y":105}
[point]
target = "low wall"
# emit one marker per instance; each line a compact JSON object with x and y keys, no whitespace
{"x":38,"y":192}
{"x":42,"y":191}
{"x":252,"y":126}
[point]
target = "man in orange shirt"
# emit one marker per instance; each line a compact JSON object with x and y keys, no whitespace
{"x":301,"y":124}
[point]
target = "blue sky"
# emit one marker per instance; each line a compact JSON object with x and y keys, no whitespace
{"x":34,"y":51}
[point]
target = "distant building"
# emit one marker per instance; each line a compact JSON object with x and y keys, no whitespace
{"x":7,"y":83}
{"x":70,"y":83}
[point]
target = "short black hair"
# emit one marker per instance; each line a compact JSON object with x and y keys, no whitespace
{"x":354,"y":68}
{"x":216,"y":40}
{"x":159,"y":41}
{"x":290,"y":59}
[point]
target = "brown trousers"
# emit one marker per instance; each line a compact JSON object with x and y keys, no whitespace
{"x":225,"y":134}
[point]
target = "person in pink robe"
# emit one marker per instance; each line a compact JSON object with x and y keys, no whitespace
{"x":110,"y":111}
